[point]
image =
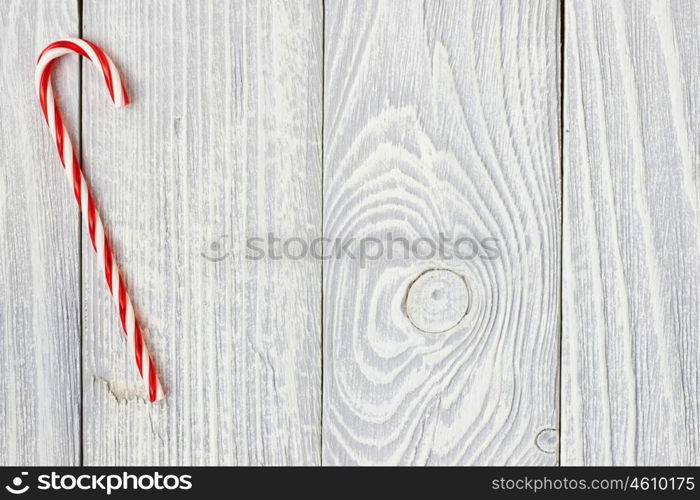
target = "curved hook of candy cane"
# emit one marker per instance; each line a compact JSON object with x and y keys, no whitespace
{"x":86,"y":49}
{"x":92,"y":218}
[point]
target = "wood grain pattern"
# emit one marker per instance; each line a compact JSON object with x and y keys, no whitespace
{"x":39,"y":250}
{"x":442,"y":117}
{"x":441,"y":121}
{"x":221,"y":143}
{"x":631,"y":355}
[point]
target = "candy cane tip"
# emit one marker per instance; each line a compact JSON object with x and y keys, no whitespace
{"x":121,"y":103}
{"x":159,"y":394}
{"x":124,"y":101}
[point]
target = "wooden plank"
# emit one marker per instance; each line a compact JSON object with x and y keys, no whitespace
{"x":39,"y":249}
{"x":221,"y":143}
{"x":631,"y":356}
{"x":442,"y":117}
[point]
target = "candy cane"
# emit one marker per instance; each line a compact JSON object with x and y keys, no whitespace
{"x":92,"y":219}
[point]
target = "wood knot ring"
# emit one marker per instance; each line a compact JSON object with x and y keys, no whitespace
{"x":437,"y":300}
{"x":547,"y":440}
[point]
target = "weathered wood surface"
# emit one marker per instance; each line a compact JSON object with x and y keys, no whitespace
{"x":39,"y":251}
{"x":438,"y":117}
{"x":631,"y":354}
{"x":442,"y":117}
{"x":222,"y":142}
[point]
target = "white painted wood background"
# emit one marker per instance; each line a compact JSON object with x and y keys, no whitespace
{"x":444,"y":122}
{"x":631,"y":258}
{"x":343,"y":120}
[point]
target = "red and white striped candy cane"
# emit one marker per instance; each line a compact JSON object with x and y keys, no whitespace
{"x":115,"y":282}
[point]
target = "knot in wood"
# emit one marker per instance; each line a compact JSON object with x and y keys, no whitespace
{"x":437,"y":300}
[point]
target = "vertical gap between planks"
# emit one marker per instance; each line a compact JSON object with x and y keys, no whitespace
{"x":323,"y":193}
{"x":80,"y":239}
{"x":562,"y":72}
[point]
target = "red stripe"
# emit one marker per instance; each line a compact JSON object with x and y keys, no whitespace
{"x":43,"y":89}
{"x":126,"y":96}
{"x":92,"y":215}
{"x":108,"y":265}
{"x":105,"y":67}
{"x":152,"y":381}
{"x":63,"y":44}
{"x":59,"y":134}
{"x":122,"y":302}
{"x":138,"y":348}
{"x":77,"y":175}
